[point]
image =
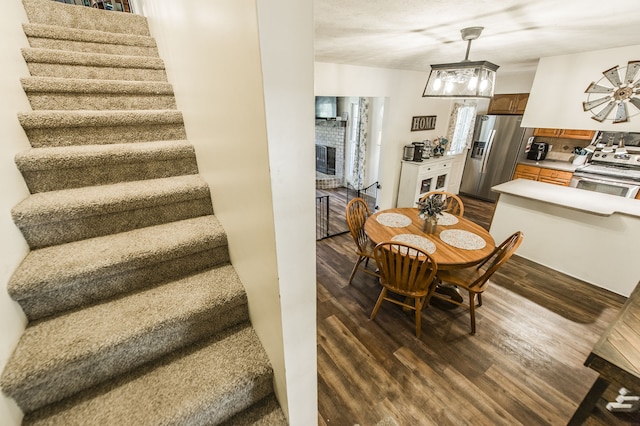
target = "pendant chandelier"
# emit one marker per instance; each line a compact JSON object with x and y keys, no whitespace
{"x":465,"y":79}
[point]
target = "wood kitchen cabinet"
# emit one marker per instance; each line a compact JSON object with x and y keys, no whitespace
{"x":508,"y":103}
{"x":542,"y":174}
{"x":556,"y":177}
{"x":564,"y":133}
{"x":526,"y":172}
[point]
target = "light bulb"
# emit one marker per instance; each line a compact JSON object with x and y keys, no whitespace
{"x":473,"y":83}
{"x":448,"y":87}
{"x":483,"y":84}
{"x":437,"y":84}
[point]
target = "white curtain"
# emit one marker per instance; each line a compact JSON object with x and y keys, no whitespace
{"x":358,"y":165}
{"x":461,"y":124}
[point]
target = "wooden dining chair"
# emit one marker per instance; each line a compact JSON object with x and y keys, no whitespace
{"x":408,"y":271}
{"x":476,"y":279}
{"x":357,"y":213}
{"x":453,"y":203}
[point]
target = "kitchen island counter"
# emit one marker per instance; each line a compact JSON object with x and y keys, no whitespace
{"x":578,"y":199}
{"x":591,"y":236}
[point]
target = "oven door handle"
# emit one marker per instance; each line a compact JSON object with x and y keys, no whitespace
{"x":606,"y":181}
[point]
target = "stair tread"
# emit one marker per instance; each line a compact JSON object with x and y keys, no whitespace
{"x":44,"y":119}
{"x":48,"y":12}
{"x":86,"y":35}
{"x":204,"y":384}
{"x":69,"y":57}
{"x":68,"y":204}
{"x":51,"y":268}
{"x":75,"y":156}
{"x":94,"y":86}
{"x":86,"y":337}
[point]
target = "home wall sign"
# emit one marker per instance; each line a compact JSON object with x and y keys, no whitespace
{"x":423,"y":122}
{"x":612,"y":92}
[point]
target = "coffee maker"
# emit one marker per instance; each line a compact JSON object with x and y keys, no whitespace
{"x":418,"y":148}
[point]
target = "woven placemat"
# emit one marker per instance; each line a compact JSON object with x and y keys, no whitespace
{"x":462,"y":239}
{"x":393,"y":220}
{"x":416,"y":240}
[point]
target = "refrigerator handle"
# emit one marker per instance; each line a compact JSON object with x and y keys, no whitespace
{"x":487,"y":151}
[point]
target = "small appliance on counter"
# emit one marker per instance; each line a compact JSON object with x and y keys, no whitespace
{"x":538,"y":151}
{"x":407,"y":154}
{"x":418,"y":148}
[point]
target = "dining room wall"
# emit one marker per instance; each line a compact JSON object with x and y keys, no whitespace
{"x":402,"y":92}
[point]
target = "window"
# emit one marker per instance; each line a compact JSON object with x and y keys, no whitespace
{"x":461,"y":125}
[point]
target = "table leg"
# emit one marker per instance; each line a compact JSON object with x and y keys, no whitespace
{"x":447,"y":290}
{"x":588,"y":402}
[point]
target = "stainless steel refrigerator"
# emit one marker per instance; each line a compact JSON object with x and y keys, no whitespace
{"x":498,"y":144}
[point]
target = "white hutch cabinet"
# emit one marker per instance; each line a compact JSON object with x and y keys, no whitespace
{"x":416,"y":179}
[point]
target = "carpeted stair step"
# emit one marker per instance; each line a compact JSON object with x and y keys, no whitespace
{"x":91,"y":41}
{"x":100,"y":66}
{"x":205,"y":384}
{"x":57,"y":278}
{"x":61,"y":356}
{"x":52,"y":93}
{"x":58,"y":217}
{"x":55,"y":13}
{"x":64,"y":128}
{"x":264,"y":413}
{"x":66,"y":167}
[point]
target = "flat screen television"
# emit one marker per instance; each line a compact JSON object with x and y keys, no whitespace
{"x":326,"y":107}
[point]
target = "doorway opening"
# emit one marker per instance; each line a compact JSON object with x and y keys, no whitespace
{"x":348,"y":142}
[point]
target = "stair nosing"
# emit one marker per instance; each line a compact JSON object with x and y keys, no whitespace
{"x":37,"y":30}
{"x":47,"y":119}
{"x":68,"y":204}
{"x":78,"y":259}
{"x":73,"y":86}
{"x":79,"y":156}
{"x":106,"y":60}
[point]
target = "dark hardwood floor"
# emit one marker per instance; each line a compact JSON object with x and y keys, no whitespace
{"x":524,"y":365}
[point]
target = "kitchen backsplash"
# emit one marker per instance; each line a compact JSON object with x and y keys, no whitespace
{"x":562,"y":148}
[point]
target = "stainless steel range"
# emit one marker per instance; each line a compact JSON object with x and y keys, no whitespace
{"x":614,"y":167}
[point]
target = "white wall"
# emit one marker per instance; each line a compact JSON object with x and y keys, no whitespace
{"x":514,"y":83}
{"x":403,"y":90}
{"x":13,"y":247}
{"x":286,"y":43}
{"x":259,"y":174}
{"x":559,"y":90}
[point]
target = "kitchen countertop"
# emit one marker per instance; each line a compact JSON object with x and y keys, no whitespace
{"x":584,"y":234}
{"x":578,"y":199}
{"x":430,"y":159}
{"x":565,"y":166}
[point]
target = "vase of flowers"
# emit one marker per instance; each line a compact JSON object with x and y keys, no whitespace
{"x":430,"y":208}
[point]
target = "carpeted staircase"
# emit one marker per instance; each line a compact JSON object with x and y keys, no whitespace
{"x":136,"y":316}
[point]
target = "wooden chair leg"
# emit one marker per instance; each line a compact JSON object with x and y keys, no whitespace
{"x":418,"y":316}
{"x":383,"y":294}
{"x":355,"y":267}
{"x":479,"y":299}
{"x":472,"y":312}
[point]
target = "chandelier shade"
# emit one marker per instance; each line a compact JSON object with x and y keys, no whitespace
{"x":465,"y":79}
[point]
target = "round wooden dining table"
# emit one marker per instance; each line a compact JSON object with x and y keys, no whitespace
{"x":463,"y":237}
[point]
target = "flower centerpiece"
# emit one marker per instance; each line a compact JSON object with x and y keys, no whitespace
{"x":430,"y":208}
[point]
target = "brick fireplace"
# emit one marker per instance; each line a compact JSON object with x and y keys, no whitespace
{"x":330,"y":140}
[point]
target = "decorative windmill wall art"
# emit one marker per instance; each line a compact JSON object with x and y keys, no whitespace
{"x":615,"y":94}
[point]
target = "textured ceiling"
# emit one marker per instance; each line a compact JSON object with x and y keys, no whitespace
{"x":412,"y":34}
